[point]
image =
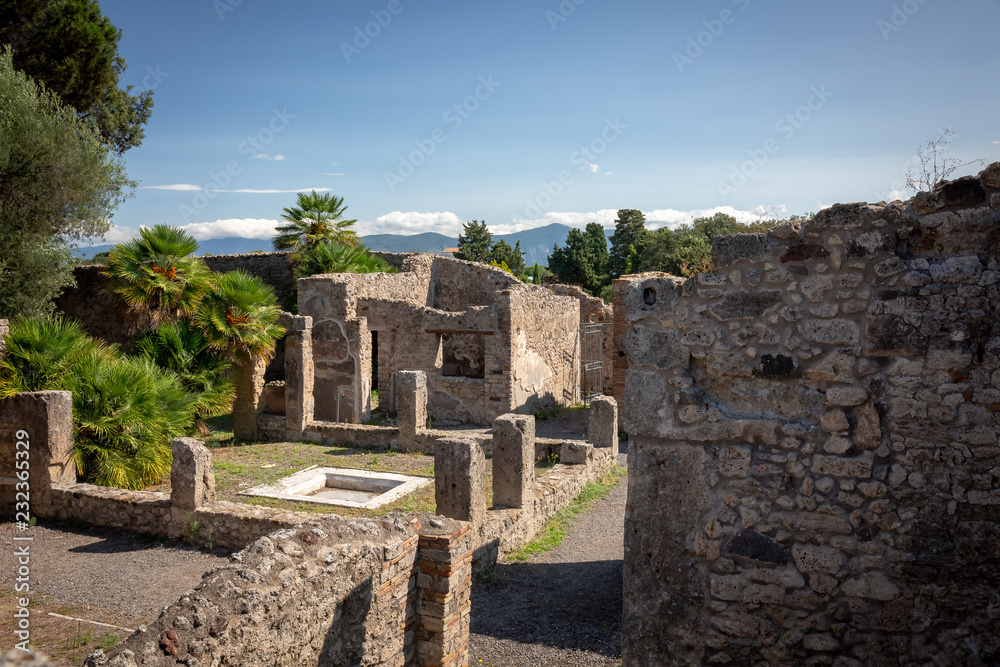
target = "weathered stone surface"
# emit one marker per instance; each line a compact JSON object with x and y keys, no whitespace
{"x":192,"y":479}
{"x":753,"y":545}
{"x":576,"y":453}
{"x":652,"y":347}
{"x":871,"y":586}
{"x":846,"y":395}
{"x":746,"y":305}
{"x":514,"y":461}
{"x":460,"y":480}
{"x":842,"y":467}
{"x":411,"y":403}
{"x":966,"y":191}
{"x":652,"y":296}
{"x":602,"y":427}
{"x":727,"y":250}
{"x":646,"y":408}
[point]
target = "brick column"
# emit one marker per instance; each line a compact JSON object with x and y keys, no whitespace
{"x":300,"y":374}
{"x":460,"y":479}
{"x":249,"y":401}
{"x":444,"y":587}
{"x":411,"y":403}
{"x":514,"y":461}
{"x":602,"y":431}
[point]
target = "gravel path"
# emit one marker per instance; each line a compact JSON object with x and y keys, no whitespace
{"x":123,"y":578}
{"x":560,"y":608}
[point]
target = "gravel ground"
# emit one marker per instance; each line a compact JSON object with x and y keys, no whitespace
{"x":561,"y":608}
{"x":124,"y":578}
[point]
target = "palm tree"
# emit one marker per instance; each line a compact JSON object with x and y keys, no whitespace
{"x":337,"y":258}
{"x":316,"y":220}
{"x":237,"y":317}
{"x":206,"y":375}
{"x":41,"y":353}
{"x":157,"y":275}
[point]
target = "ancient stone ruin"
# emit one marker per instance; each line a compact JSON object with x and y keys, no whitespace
{"x":814,"y":442}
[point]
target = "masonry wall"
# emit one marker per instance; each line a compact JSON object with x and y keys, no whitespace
{"x":594,"y":310}
{"x":814,"y":442}
{"x":545,"y":354}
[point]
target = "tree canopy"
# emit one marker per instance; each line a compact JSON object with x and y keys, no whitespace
{"x":58,"y":183}
{"x":475,"y":244}
{"x":583,"y":260}
{"x":71,"y":48}
{"x":630,"y":230}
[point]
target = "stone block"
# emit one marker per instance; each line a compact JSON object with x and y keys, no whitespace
{"x":838,"y":466}
{"x":653,"y":347}
{"x":602,"y":429}
{"x":249,"y":402}
{"x":192,"y":479}
{"x":411,"y":402}
{"x":651,"y":296}
{"x":514,"y":461}
{"x":460,"y":479}
{"x":956,"y":270}
{"x":43,"y":422}
{"x":574,"y":452}
{"x":871,"y":586}
{"x":815,"y":558}
{"x":646,"y":409}
{"x":846,"y":396}
{"x":729,"y":249}
{"x":746,"y":304}
{"x":751,"y":544}
{"x":300,"y":374}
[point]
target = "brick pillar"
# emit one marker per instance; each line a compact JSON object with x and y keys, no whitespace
{"x":514,"y":461}
{"x":249,"y":396}
{"x":602,"y":431}
{"x":192,"y":480}
{"x":300,"y":375}
{"x":460,"y":479}
{"x":444,"y":587}
{"x":411,"y":403}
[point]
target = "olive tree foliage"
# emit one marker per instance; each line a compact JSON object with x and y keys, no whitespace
{"x":71,"y":48}
{"x":58,"y":183}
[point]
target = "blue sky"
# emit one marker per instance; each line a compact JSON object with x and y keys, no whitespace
{"x":425,"y":114}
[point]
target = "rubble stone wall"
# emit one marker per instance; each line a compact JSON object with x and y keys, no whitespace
{"x":545,"y":354}
{"x":814,"y":442}
{"x":594,"y":310}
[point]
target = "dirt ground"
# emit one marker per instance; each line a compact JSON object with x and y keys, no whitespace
{"x":119,"y":579}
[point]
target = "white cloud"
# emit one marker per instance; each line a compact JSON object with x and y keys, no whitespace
{"x":996,"y":142}
{"x":608,"y":173}
{"x":280,"y":157}
{"x":412,"y":222}
{"x":178,"y":186}
{"x":654,"y":219}
{"x":246,"y":228}
{"x":593,"y":167}
{"x":329,"y":174}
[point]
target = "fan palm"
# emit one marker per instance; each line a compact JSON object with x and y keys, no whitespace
{"x":126,"y":412}
{"x":40,"y":354}
{"x":338,"y":258}
{"x":157,"y":275}
{"x":204,"y":374}
{"x":237,"y":317}
{"x":315,"y":221}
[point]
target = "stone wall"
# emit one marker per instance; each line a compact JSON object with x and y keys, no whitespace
{"x":465,"y":325}
{"x":594,"y":310}
{"x":814,"y":441}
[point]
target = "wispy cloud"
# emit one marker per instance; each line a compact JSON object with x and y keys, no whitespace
{"x":329,"y":174}
{"x":264,"y":156}
{"x":188,"y":187}
{"x":177,"y":186}
{"x":593,"y":168}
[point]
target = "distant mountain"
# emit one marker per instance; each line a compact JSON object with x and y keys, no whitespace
{"x":535,"y":243}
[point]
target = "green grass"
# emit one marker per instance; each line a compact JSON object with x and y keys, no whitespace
{"x":555,"y":529}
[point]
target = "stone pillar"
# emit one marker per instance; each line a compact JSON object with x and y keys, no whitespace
{"x":620,"y":328}
{"x":192,"y":479}
{"x":43,"y":422}
{"x":460,"y":479}
{"x":411,"y":403}
{"x":514,"y":461}
{"x":574,"y":452}
{"x":602,"y":431}
{"x":444,"y":587}
{"x":300,"y":375}
{"x":249,"y":401}
{"x":4,"y":328}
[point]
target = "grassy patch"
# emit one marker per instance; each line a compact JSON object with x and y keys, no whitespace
{"x":491,"y":577}
{"x":555,"y":530}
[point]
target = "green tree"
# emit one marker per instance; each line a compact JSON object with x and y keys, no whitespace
{"x":71,"y":48}
{"x":688,"y":249}
{"x":630,"y":229}
{"x":316,"y":220}
{"x":501,"y":253}
{"x":583,"y":260}
{"x":158,"y":276}
{"x":58,"y":184}
{"x":474,"y":242}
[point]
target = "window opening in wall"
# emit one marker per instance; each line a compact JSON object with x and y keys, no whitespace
{"x":463,"y":355}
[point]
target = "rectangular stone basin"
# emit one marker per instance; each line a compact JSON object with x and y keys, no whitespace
{"x":346,"y":487}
